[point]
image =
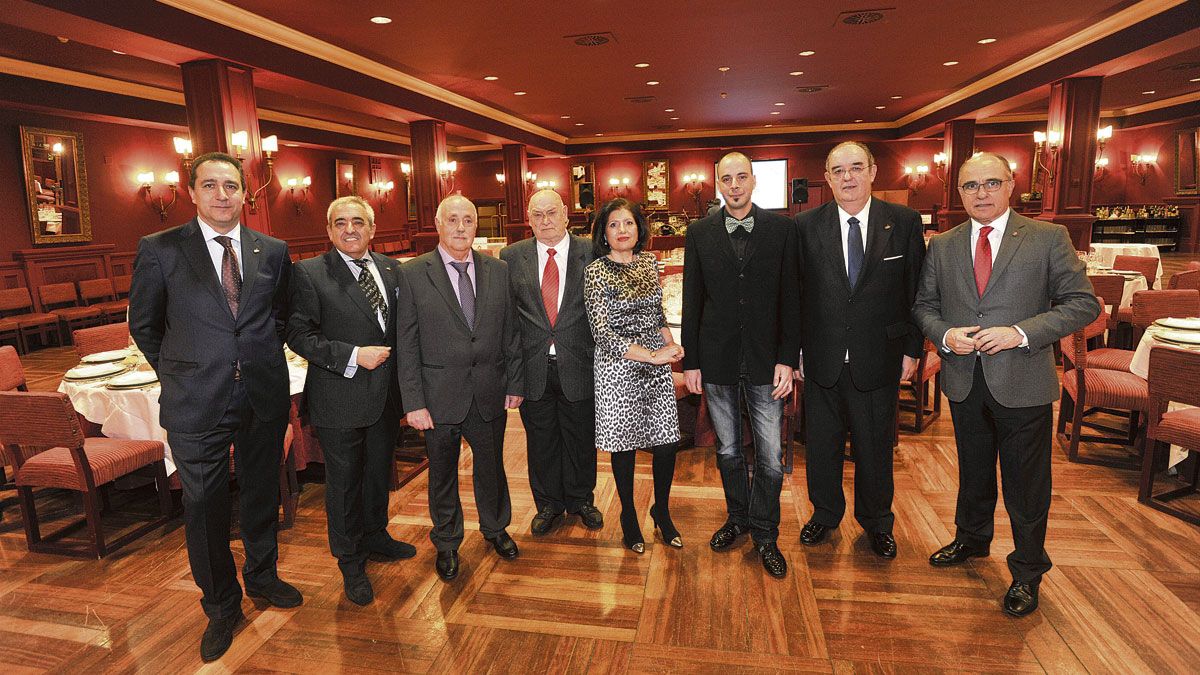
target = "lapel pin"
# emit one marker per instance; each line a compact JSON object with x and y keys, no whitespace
{"x":256,"y":250}
{"x":888,"y":226}
{"x":1014,"y":234}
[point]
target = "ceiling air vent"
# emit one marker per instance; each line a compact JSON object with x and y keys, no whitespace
{"x":640,"y":99}
{"x":812,"y":88}
{"x":862,"y":17}
{"x":592,"y":39}
{"x":1186,"y":65}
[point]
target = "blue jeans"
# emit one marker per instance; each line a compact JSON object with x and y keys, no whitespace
{"x":751,"y":505}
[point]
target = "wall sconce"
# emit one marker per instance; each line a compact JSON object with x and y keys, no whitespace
{"x":500,"y":178}
{"x":618,"y":186}
{"x":1141,"y":165}
{"x":270,"y":145}
{"x":939,"y":167}
{"x":1046,"y":144}
{"x":158,"y":204}
{"x":239,"y":141}
{"x":694,"y":184}
{"x":57,"y":148}
{"x":383,"y":189}
{"x":1101,"y":168}
{"x":446,"y":171}
{"x":302,"y":183}
{"x":1102,"y":136}
{"x":183,"y":148}
{"x":530,"y":181}
{"x":917,"y":177}
{"x":544,"y":184}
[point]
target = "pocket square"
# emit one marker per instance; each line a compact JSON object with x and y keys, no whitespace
{"x":893,"y":257}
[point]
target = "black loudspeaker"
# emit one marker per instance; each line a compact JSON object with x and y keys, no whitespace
{"x":799,"y":190}
{"x":587,"y":195}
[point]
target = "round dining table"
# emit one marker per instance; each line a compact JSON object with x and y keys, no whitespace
{"x":1140,"y":366}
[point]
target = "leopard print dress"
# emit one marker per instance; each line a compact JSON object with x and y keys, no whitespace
{"x":635,"y":402}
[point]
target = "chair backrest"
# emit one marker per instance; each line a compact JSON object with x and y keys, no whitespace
{"x":12,"y":375}
{"x":96,"y":289}
{"x":37,"y":421}
{"x":15,"y":300}
{"x":1074,"y":346}
{"x":53,"y":295}
{"x":1111,"y":286}
{"x":101,"y":338}
{"x":1096,"y":328}
{"x":1147,"y":265}
{"x":121,"y":284}
{"x":1185,"y":280}
{"x":1149,"y":306}
{"x":1173,"y":375}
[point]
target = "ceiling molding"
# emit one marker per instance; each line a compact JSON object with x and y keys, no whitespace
{"x":1156,"y":105}
{"x":258,"y":26}
{"x":715,"y":133}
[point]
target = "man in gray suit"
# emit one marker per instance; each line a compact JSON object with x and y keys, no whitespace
{"x":546,"y":275}
{"x":342,"y":322}
{"x":996,"y":293}
{"x":459,"y":366}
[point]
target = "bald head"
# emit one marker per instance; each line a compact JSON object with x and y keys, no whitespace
{"x":996,"y":161}
{"x":986,"y":184}
{"x":455,"y":222}
{"x":547,"y":217}
{"x":735,"y":180}
{"x":454,"y":199}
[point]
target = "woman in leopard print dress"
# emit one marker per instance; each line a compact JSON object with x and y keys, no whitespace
{"x":635,"y":397}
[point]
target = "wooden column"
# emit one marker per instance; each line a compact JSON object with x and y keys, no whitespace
{"x":1074,"y":114}
{"x":428,"y":151}
{"x":219,"y":97}
{"x":515,"y":167}
{"x":958,"y":142}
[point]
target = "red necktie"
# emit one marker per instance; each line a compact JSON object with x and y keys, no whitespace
{"x":550,"y":288}
{"x":983,"y":259}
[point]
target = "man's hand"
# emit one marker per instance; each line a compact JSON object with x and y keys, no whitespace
{"x":692,"y":379}
{"x":959,"y":340}
{"x":782,"y":381}
{"x":420,"y":419}
{"x":997,"y":339}
{"x":511,"y":401}
{"x":908,"y":368}
{"x":372,"y":357}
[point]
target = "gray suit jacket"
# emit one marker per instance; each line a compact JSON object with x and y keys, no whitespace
{"x":330,"y":317}
{"x":442,"y":363}
{"x":573,"y":342}
{"x":1037,"y":284}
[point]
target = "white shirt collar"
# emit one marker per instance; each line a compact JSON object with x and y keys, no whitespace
{"x":350,"y":260}
{"x":998,"y":225}
{"x":209,"y":233}
{"x":559,"y":248}
{"x":861,"y":215}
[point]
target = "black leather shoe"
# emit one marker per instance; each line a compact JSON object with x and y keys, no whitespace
{"x":591,"y":517}
{"x":814,"y":533}
{"x":727,"y":536}
{"x":956,"y":553}
{"x":883,"y":544}
{"x":447,"y":565}
{"x":219,"y":635}
{"x":384,"y":548}
{"x":772,"y":560}
{"x":277,"y":592}
{"x":358,"y":589}
{"x":544,"y":521}
{"x":505,"y":546}
{"x":1021,"y":598}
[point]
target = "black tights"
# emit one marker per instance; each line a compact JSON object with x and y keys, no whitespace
{"x":664,"y":473}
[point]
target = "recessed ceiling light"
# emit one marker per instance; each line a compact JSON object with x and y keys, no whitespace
{"x":652,"y":82}
{"x":856,"y":121}
{"x":781,"y":103}
{"x":776,"y":112}
{"x":880,"y":107}
{"x":768,"y":125}
{"x":950,"y":63}
{"x":669,"y":110}
{"x":1148,"y":92}
{"x":723,"y":69}
{"x":564,"y":117}
{"x":674,"y":118}
{"x":1194,"y":79}
{"x":807,"y":52}
{"x":380,"y":20}
{"x":796,"y":72}
{"x":987,"y":41}
{"x":519,"y":93}
{"x":896,"y":98}
{"x":682,"y":129}
{"x":490,"y":78}
{"x":291,"y":145}
{"x":597,"y":134}
{"x":579,"y":124}
{"x":641,"y":65}
{"x":117,"y":51}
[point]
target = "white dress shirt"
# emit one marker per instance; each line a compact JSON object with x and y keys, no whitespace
{"x":561,"y":249}
{"x":355,"y":270}
{"x":216,"y":251}
{"x":844,"y":220}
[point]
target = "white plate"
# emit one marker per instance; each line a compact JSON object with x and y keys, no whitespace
{"x":1189,"y":323}
{"x":105,"y":357}
{"x":1126,"y":273}
{"x":88,"y":372}
{"x":137,"y":378}
{"x":1185,"y":337}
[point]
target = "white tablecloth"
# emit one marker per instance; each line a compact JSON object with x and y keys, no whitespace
{"x":1141,"y":367}
{"x":133,"y":413}
{"x":1107,"y":253}
{"x":1133,"y":284}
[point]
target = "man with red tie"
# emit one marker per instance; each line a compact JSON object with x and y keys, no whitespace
{"x":996,"y":293}
{"x":546,"y":276}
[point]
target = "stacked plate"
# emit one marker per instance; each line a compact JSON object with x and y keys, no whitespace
{"x":106,"y":357}
{"x":1181,"y":331}
{"x":93,"y":371}
{"x":1177,"y":323}
{"x":134,"y":380}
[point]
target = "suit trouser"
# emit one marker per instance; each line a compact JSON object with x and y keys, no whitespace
{"x":1022,"y":438}
{"x":358,"y":463}
{"x":753,"y":505}
{"x":562,"y":447}
{"x":202,"y":460}
{"x":443,"y":443}
{"x":870,"y":416}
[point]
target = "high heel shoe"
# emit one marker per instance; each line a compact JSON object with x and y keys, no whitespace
{"x":631,"y":533}
{"x":666,"y":528}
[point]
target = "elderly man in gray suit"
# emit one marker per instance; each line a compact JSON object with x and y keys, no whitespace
{"x":996,"y":293}
{"x":546,"y":275}
{"x":459,"y":366}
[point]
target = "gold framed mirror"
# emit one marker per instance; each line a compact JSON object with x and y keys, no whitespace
{"x":56,"y":185}
{"x":1187,"y":161}
{"x":344,"y":175}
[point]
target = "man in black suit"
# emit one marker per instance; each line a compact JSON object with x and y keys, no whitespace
{"x":546,"y":275}
{"x":459,"y":366}
{"x":741,"y":321}
{"x":208,"y":306}
{"x":343,"y":322}
{"x":860,"y":260}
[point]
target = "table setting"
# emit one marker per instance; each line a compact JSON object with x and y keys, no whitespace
{"x":1176,"y":332}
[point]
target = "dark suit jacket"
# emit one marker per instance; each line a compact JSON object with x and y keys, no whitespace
{"x":573,"y":343}
{"x":754,"y":307}
{"x":180,"y":320}
{"x":442,"y":363}
{"x":1038,"y":284}
{"x":330,"y":317}
{"x":874,"y":322}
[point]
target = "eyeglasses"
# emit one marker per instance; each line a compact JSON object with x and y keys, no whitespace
{"x":854,"y":171}
{"x":989,"y":185}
